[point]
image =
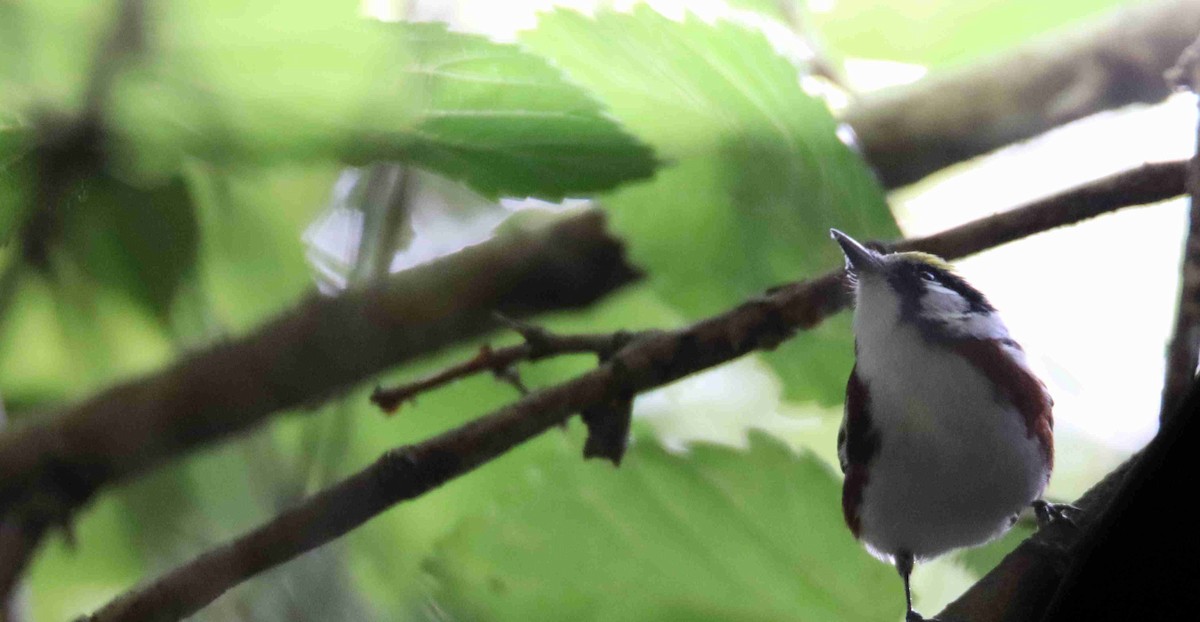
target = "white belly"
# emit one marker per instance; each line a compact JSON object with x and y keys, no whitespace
{"x":955,"y":463}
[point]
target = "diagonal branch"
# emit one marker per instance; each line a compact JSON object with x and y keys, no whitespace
{"x":909,"y":132}
{"x":319,"y":348}
{"x":650,"y":361}
{"x":11,"y":536}
{"x":1184,"y":349}
{"x":1146,"y":184}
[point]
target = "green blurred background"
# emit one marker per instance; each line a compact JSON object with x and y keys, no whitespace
{"x":245,"y":146}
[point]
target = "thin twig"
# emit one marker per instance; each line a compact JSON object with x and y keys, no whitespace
{"x":646,"y":363}
{"x":1149,"y":183}
{"x":1184,"y":349}
{"x":386,"y":195}
{"x":539,"y":343}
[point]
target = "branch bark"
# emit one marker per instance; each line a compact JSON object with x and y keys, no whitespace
{"x":910,"y":132}
{"x":11,"y":605}
{"x":649,"y":361}
{"x":1184,"y":349}
{"x":322,"y":346}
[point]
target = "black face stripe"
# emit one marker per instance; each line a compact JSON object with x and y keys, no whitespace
{"x":908,"y":277}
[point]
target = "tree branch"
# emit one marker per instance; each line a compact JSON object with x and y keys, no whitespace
{"x":1149,"y":183}
{"x":647,"y":362}
{"x":11,"y":534}
{"x":539,"y":343}
{"x":910,"y":132}
{"x":1184,"y":348}
{"x":319,"y":348}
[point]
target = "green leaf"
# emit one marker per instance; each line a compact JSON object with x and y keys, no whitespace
{"x":981,"y":560}
{"x":944,"y":32}
{"x":65,"y":581}
{"x":309,"y":84}
{"x":252,"y":222}
{"x":138,"y":240}
{"x":716,"y":534}
{"x":759,"y":174}
{"x":15,"y":178}
{"x":509,"y":123}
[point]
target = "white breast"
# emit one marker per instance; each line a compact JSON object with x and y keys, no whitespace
{"x":955,"y":463}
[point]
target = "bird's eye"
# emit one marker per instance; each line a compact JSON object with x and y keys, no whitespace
{"x":928,"y":275}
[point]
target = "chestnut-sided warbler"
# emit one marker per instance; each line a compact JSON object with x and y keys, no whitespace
{"x":947,"y":433}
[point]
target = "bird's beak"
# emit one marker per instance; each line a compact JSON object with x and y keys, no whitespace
{"x":858,"y":257}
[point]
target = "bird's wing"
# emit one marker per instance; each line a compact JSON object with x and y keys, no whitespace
{"x":855,"y":442}
{"x":1003,"y":362}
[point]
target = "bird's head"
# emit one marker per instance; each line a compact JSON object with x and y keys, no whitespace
{"x":918,"y":288}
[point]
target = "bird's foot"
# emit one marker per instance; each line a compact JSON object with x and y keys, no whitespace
{"x":1048,"y":514}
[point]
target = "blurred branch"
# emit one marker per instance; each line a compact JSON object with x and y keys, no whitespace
{"x":11,"y":607}
{"x":910,"y":132}
{"x":1184,"y":348}
{"x":1039,"y":580}
{"x":317,"y":349}
{"x":1149,"y":183}
{"x":648,"y":361}
{"x":388,"y":192}
{"x":18,"y":542}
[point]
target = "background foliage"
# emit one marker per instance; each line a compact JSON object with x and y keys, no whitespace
{"x":219,"y":205}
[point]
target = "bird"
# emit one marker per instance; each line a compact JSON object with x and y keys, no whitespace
{"x":947,"y":434}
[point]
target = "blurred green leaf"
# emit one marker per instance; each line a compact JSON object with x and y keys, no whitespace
{"x":47,"y":51}
{"x":980,"y":560}
{"x":714,"y":534}
{"x":251,"y":248}
{"x":140,"y":241}
{"x":944,"y":32}
{"x":758,"y":177}
{"x":66,"y":580}
{"x":315,"y":85}
{"x":15,"y":177}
